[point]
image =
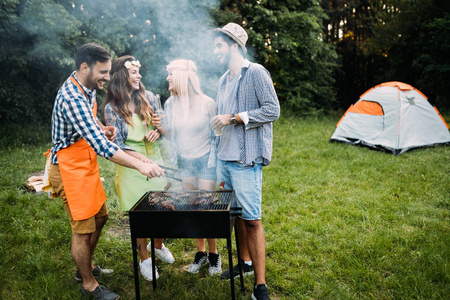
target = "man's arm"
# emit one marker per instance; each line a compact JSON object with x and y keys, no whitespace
{"x":268,"y":105}
{"x":265,"y":98}
{"x":147,"y":169}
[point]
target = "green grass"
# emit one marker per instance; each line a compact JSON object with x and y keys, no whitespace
{"x":341,"y":222}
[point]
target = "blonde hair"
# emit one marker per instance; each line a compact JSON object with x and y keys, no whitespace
{"x":185,"y":82}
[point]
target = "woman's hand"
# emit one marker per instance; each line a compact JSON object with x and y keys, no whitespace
{"x":153,"y":135}
{"x":156,"y":121}
{"x":110,"y":132}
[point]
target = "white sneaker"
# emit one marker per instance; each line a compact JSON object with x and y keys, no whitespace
{"x":146,"y":269}
{"x":162,"y":254}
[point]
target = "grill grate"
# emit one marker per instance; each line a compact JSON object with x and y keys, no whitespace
{"x":186,"y":201}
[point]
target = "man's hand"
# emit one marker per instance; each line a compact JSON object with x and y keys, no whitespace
{"x":151,"y":170}
{"x":148,"y":169}
{"x":220,"y":121}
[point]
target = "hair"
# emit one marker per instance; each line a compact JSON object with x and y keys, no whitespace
{"x":119,"y":89}
{"x":185,"y":82}
{"x":228,"y":40}
{"x":91,"y":53}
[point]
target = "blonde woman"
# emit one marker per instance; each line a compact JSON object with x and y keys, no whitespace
{"x":129,"y":107}
{"x":187,"y":126}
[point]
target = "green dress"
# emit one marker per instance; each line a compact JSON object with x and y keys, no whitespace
{"x":130,"y":184}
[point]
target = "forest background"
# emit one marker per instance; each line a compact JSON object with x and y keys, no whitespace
{"x":322,"y":55}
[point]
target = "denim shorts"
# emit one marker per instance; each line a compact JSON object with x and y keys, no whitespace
{"x":246,"y":181}
{"x":197,"y":167}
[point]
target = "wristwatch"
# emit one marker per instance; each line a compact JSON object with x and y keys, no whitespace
{"x":233,"y":120}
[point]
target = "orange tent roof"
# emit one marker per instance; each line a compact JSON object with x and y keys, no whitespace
{"x":400,"y":85}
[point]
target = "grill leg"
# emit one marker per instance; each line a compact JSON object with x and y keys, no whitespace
{"x":238,"y":250}
{"x":136,"y":272}
{"x":230,"y":262}
{"x":153,"y":264}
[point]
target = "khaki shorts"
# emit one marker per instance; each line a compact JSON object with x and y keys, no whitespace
{"x":81,"y":226}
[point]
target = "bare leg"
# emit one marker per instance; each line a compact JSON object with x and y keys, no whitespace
{"x":200,"y":243}
{"x":212,"y":245}
{"x":82,"y":256}
{"x":207,"y":185}
{"x":243,"y":246}
{"x":189,"y":183}
{"x":99,"y":223}
{"x":142,"y":246}
{"x":257,"y":248}
{"x":158,"y":243}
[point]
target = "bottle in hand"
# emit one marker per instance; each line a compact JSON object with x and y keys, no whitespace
{"x":159,"y":110}
{"x":212,"y":114}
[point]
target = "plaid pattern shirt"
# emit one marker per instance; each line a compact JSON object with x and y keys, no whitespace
{"x":255,"y":95}
{"x":72,"y":120}
{"x":112,"y":118}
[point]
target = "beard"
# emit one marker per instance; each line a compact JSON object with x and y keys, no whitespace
{"x":226,"y":59}
{"x":92,"y":83}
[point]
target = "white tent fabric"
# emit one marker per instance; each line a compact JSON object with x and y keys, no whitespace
{"x":407,"y":120}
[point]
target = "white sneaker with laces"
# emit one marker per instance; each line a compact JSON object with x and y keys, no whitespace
{"x":146,"y":270}
{"x":162,"y":254}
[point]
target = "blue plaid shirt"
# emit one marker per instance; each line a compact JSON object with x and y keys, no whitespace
{"x":72,"y":120}
{"x":112,"y":118}
{"x":255,"y":95}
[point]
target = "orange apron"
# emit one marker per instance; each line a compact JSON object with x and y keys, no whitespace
{"x":80,"y":175}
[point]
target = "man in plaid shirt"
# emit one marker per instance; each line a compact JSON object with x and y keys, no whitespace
{"x":77,"y":138}
{"x":248,"y":104}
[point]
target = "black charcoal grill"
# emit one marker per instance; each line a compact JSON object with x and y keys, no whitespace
{"x":186,"y":214}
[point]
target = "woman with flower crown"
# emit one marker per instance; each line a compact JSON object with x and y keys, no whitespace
{"x":188,"y":113}
{"x":129,"y":107}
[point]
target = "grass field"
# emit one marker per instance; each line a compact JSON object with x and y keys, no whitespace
{"x":341,"y":222}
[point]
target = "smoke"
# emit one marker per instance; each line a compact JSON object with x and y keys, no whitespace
{"x":157,"y":32}
{"x":184,"y":28}
{"x":154,"y":31}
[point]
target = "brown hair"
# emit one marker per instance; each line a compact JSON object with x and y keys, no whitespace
{"x":91,"y":53}
{"x":119,"y":89}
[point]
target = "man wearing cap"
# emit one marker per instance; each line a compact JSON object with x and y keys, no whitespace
{"x":247,"y":104}
{"x":74,"y":173}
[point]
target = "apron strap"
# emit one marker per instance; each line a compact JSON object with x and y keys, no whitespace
{"x":75,"y":82}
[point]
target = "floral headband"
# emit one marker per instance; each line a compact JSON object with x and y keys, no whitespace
{"x":130,"y":64}
{"x":180,"y":66}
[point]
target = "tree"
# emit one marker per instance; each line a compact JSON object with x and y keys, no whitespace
{"x":39,"y":39}
{"x":349,"y":27}
{"x":287,"y":38}
{"x":413,"y":37}
{"x":390,"y":40}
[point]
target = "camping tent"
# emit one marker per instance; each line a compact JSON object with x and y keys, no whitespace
{"x":392,"y":116}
